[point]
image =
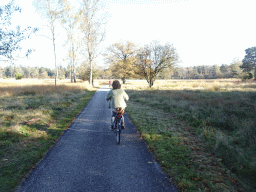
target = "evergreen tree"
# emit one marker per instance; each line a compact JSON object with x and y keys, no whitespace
{"x":249,"y":61}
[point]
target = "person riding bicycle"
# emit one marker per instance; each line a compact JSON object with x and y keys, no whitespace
{"x":117,"y":97}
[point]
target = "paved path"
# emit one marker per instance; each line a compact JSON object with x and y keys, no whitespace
{"x":87,"y":158}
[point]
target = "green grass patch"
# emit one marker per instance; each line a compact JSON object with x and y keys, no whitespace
{"x":28,"y":131}
{"x":223,"y":124}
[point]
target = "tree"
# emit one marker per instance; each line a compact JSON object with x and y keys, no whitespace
{"x":84,"y":72}
{"x":249,"y":61}
{"x":18,"y":69}
{"x":155,"y":58}
{"x":195,"y":71}
{"x":41,"y":70}
{"x":18,"y":76}
{"x":1,"y":72}
{"x":43,"y":75}
{"x":236,"y":69}
{"x":70,"y":19}
{"x":215,"y":71}
{"x":166,"y":74}
{"x":27,"y":72}
{"x":190,"y":73}
{"x":121,"y":57}
{"x":61,"y":72}
{"x":9,"y":71}
{"x":53,"y":10}
{"x":105,"y":73}
{"x":226,"y":71}
{"x":224,"y":68}
{"x":11,"y":38}
{"x":91,"y":27}
{"x":34,"y":72}
{"x":206,"y":72}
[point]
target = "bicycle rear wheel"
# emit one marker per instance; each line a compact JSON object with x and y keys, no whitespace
{"x":118,"y":133}
{"x":118,"y":136}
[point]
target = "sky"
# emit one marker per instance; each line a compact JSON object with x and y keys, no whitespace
{"x":204,"y":32}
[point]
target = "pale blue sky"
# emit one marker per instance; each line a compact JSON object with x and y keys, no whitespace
{"x":204,"y":32}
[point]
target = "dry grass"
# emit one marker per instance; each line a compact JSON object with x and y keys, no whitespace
{"x":222,"y":84}
{"x":39,"y":87}
{"x":33,"y":114}
{"x":220,"y":113}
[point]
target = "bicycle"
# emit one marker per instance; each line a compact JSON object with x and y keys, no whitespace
{"x":117,"y":123}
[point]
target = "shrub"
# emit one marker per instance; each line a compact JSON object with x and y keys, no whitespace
{"x":18,"y":76}
{"x":250,"y":75}
{"x":43,"y":75}
{"x":247,"y":75}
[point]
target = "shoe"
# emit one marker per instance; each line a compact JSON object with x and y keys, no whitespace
{"x":111,"y":128}
{"x":122,"y":126}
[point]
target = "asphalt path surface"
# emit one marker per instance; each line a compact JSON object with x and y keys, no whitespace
{"x":87,"y":158}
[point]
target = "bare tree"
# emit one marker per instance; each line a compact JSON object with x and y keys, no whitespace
{"x":53,"y":10}
{"x":91,"y":27}
{"x":70,"y":20}
{"x":155,"y":58}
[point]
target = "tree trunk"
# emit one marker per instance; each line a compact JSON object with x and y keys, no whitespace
{"x":71,"y":73}
{"x":90,"y":67}
{"x":56,"y":68}
{"x":74,"y":74}
{"x":123,"y":79}
{"x":151,"y":82}
{"x":57,"y":72}
{"x":73,"y":63}
{"x":70,"y":76}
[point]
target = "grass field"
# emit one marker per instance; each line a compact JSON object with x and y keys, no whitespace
{"x":33,"y":114}
{"x":202,"y":132}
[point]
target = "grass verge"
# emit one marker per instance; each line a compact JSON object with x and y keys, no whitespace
{"x":32,"y":120}
{"x":180,"y":153}
{"x":204,"y":139}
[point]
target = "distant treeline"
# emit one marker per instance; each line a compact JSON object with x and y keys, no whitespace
{"x":232,"y":70}
{"x":205,"y":72}
{"x":47,"y":73}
